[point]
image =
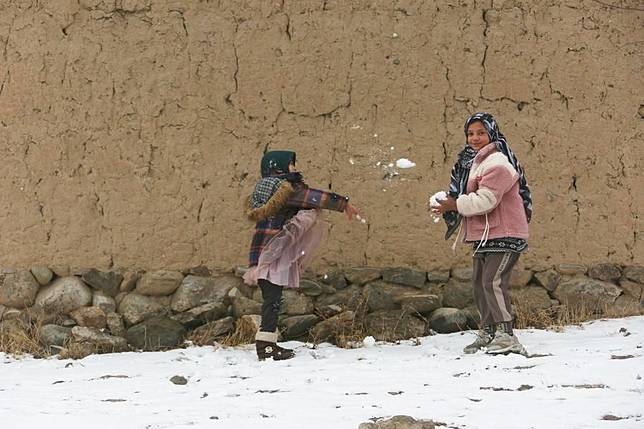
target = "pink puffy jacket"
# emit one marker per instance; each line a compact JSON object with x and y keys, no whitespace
{"x":492,"y":206}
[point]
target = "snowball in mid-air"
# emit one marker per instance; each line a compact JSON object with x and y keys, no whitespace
{"x":404,"y":163}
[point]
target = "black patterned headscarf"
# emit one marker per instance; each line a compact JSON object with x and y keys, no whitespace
{"x":275,"y":170}
{"x":276,"y":162}
{"x":461,"y":170}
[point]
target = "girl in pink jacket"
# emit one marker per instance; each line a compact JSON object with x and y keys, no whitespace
{"x":489,"y":194}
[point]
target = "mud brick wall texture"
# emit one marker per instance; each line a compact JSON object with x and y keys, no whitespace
{"x":131,"y":130}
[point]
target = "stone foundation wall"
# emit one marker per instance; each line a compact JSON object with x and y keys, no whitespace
{"x":117,"y":311}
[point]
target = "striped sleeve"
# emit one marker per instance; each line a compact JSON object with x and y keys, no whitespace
{"x":309,"y":198}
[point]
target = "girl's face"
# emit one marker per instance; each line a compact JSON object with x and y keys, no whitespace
{"x":291,"y":168}
{"x":477,"y":136}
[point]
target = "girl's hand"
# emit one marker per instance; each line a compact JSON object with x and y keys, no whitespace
{"x":351,"y":211}
{"x":448,"y":205}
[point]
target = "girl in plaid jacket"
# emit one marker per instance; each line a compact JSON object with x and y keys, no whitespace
{"x":288,"y":228}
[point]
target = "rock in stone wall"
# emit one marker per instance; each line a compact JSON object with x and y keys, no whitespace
{"x":131,"y":130}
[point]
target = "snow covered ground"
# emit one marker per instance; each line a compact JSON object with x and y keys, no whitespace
{"x":585,"y":377}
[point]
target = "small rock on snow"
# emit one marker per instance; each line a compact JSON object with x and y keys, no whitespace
{"x":177,"y":379}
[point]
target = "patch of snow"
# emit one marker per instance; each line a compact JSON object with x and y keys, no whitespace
{"x":571,"y":380}
{"x":369,"y":341}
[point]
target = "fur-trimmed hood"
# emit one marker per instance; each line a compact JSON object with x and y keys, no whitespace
{"x":258,"y":208}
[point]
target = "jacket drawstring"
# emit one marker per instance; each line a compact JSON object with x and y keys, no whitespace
{"x":458,"y":234}
{"x":486,"y":233}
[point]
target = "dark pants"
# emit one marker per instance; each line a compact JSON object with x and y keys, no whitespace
{"x":491,"y":281}
{"x":272,"y":302}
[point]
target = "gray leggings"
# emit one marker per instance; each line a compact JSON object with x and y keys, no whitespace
{"x":491,"y":281}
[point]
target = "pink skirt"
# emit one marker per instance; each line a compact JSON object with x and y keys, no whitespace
{"x":286,"y":255}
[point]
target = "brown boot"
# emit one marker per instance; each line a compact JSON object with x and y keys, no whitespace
{"x":266,"y":345}
{"x":266,"y":350}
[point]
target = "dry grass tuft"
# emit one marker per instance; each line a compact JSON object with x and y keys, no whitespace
{"x":347,"y":337}
{"x":347,"y":333}
{"x":244,"y":333}
{"x":206,"y":335}
{"x":20,"y":337}
{"x":558,"y":316}
{"x":75,"y":350}
{"x":201,"y":337}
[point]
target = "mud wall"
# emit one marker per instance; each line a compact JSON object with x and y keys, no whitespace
{"x":131,"y":130}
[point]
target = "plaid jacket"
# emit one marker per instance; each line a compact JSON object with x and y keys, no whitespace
{"x":302,"y":198}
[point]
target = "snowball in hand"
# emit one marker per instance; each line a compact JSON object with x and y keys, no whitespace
{"x":438,"y":196}
{"x":433,"y":202}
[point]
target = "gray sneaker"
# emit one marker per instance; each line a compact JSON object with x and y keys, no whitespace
{"x":483,"y":338}
{"x":504,"y":343}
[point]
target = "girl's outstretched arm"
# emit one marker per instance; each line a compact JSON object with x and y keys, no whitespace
{"x":310,"y":198}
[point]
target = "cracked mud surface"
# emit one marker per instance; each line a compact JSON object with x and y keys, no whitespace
{"x":131,"y":130}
